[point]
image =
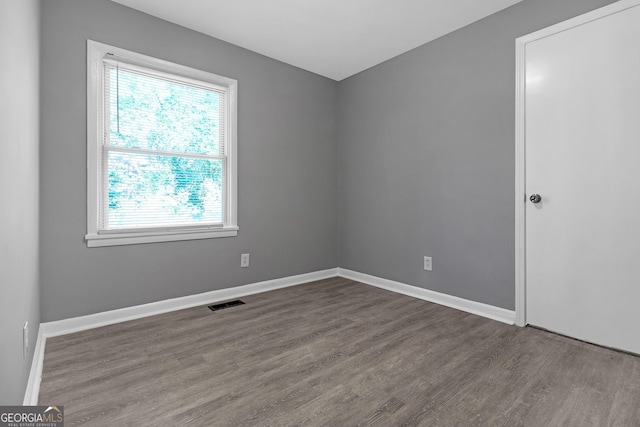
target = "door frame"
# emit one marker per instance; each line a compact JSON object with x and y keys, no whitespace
{"x":520,"y":140}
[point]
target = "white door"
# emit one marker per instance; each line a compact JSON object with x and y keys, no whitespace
{"x":582,"y":151}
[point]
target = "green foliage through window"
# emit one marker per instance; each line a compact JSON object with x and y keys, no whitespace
{"x":165,"y":155}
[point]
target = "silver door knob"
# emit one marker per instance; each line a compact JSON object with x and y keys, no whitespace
{"x":535,"y":198}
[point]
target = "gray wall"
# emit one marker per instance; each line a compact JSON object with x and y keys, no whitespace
{"x":19,"y":144}
{"x":427,"y":158}
{"x":425,"y":164}
{"x":288,"y":169}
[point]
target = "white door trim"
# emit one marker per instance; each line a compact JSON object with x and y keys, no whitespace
{"x":520,"y":188}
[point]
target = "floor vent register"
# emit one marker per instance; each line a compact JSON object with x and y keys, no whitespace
{"x":224,"y":305}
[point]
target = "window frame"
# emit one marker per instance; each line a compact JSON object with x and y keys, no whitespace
{"x":96,"y":237}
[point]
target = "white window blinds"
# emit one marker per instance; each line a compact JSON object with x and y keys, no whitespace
{"x":164,"y":152}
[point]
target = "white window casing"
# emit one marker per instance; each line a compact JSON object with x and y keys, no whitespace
{"x":99,"y":231}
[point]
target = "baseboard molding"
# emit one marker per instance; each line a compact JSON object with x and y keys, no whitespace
{"x":77,"y":324}
{"x":35,"y":374}
{"x":477,"y":308}
{"x":82,"y":323}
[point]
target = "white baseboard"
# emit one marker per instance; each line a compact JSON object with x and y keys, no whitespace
{"x":478,"y":308}
{"x":35,"y":374}
{"x":77,"y":324}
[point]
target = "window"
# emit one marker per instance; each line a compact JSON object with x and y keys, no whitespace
{"x":161,"y":150}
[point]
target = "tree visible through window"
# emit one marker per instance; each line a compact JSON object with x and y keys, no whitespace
{"x":164,"y":151}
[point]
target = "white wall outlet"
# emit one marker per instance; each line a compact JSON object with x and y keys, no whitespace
{"x":25,"y":340}
{"x":244,"y":260}
{"x":428,"y":263}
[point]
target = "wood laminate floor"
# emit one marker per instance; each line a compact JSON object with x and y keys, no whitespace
{"x":335,"y":353}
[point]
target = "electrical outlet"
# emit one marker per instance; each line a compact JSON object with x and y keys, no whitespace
{"x":428,"y":263}
{"x":244,"y":260}
{"x":25,"y":340}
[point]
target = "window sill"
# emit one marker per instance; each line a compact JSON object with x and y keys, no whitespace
{"x":99,"y":240}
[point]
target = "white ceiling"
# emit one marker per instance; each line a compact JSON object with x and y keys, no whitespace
{"x":333,"y":38}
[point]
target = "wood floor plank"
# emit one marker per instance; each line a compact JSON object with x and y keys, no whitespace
{"x":335,"y":353}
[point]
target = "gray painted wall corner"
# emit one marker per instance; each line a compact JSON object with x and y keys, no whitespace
{"x":412,"y":157}
{"x":427,"y":167}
